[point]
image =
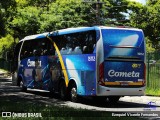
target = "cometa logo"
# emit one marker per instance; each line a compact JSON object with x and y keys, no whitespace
{"x":113,"y":73}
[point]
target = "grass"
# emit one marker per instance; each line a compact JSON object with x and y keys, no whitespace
{"x":52,"y":112}
{"x":151,"y":91}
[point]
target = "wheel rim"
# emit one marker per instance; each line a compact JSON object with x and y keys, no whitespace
{"x":73,"y":94}
{"x":21,"y":84}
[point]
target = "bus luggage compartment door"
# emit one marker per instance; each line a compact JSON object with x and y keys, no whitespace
{"x":124,"y":73}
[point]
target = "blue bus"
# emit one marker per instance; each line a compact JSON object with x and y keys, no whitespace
{"x":100,"y":62}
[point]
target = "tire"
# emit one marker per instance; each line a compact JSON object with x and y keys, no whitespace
{"x":63,"y":91}
{"x":22,"y":87}
{"x":73,"y":93}
{"x":113,"y":99}
{"x":100,"y":99}
{"x":51,"y":90}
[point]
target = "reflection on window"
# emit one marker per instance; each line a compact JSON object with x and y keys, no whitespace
{"x":37,"y":47}
{"x":76,"y":43}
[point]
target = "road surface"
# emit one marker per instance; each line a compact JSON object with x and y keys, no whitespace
{"x":125,"y":104}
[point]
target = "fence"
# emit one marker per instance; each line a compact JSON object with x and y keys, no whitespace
{"x":153,"y":70}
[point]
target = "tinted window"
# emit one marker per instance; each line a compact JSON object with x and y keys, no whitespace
{"x":17,"y":50}
{"x":37,"y":47}
{"x":76,"y":43}
{"x":16,"y":54}
{"x":120,"y":37}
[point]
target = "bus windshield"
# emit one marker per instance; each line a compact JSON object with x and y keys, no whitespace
{"x":122,"y":37}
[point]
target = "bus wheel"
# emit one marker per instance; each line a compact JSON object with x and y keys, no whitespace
{"x":63,"y":91}
{"x":73,"y":93}
{"x":113,"y":99}
{"x":99,"y":99}
{"x":21,"y":85}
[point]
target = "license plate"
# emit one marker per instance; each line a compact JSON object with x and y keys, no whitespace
{"x":124,"y":83}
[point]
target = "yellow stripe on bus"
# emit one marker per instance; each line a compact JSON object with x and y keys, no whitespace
{"x":61,"y":61}
{"x":112,"y":83}
{"x":119,"y":83}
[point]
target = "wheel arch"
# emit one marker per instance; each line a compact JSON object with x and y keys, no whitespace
{"x":19,"y":79}
{"x":71,"y":82}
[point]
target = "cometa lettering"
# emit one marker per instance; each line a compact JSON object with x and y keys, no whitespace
{"x":113,"y":73}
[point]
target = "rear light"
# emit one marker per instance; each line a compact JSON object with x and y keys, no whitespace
{"x":144,"y":82}
{"x":101,"y":74}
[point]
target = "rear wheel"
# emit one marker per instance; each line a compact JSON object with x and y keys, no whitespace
{"x":51,"y":89}
{"x":113,"y":99}
{"x":99,"y":99}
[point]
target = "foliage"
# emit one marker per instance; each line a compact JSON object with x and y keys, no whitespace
{"x":147,"y":17}
{"x":117,"y":10}
{"x":2,"y":21}
{"x":63,"y":14}
{"x":6,"y":44}
{"x":26,"y":21}
{"x":20,"y":18}
{"x":149,"y":46}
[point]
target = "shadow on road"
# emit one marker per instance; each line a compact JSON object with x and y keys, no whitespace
{"x":13,"y":94}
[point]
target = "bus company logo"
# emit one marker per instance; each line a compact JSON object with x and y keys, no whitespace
{"x":142,"y":54}
{"x":150,"y":106}
{"x":33,"y":63}
{"x":113,"y":73}
{"x":91,"y":58}
{"x":136,"y":65}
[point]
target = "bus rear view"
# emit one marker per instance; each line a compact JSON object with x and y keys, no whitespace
{"x":121,"y":65}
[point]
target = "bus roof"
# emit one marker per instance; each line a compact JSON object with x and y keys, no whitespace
{"x":73,"y":30}
{"x":42,"y":35}
{"x":120,"y":27}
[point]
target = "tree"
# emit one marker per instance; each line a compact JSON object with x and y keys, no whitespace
{"x":147,"y":17}
{"x":2,"y":22}
{"x":117,"y":10}
{"x":7,"y":8}
{"x":26,"y":21}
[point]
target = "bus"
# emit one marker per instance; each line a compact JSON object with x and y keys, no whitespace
{"x":99,"y":62}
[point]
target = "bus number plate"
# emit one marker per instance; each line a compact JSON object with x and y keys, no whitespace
{"x":124,"y":83}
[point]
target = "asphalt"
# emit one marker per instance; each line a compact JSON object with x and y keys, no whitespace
{"x":136,"y":104}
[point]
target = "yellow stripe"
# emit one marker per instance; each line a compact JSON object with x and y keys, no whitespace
{"x":119,"y":83}
{"x":112,"y":83}
{"x":61,"y":61}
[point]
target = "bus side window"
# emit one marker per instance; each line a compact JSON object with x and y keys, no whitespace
{"x":47,"y":48}
{"x":50,"y":49}
{"x":16,"y":56}
{"x":85,"y":49}
{"x":89,"y":42}
{"x":77,"y":50}
{"x":76,"y":43}
{"x":26,"y":49}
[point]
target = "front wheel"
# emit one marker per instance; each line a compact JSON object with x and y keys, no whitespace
{"x":73,"y":93}
{"x":63,"y":91}
{"x":22,"y":87}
